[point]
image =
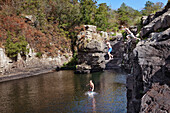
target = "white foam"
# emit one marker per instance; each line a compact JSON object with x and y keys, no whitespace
{"x":90,"y":93}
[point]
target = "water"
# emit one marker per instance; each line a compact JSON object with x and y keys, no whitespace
{"x":64,"y":92}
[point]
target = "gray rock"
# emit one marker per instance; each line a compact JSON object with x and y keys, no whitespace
{"x":133,"y":29}
{"x":31,"y":63}
{"x":160,"y":22}
{"x":91,"y":51}
{"x":148,"y":88}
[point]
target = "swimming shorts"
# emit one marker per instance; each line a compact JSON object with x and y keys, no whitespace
{"x":110,"y":49}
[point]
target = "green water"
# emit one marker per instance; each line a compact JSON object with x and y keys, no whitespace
{"x":64,"y":92}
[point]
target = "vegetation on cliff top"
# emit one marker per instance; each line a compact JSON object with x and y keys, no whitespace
{"x":53,"y":26}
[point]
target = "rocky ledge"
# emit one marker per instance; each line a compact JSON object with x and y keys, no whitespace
{"x":29,"y":65}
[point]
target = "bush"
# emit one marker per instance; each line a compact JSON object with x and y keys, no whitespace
{"x":72,"y":64}
{"x":13,"y":48}
{"x":39,"y":54}
{"x":124,"y":34}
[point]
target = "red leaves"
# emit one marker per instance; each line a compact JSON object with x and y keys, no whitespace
{"x":50,"y":42}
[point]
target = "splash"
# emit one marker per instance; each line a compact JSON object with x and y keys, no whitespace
{"x":90,"y":93}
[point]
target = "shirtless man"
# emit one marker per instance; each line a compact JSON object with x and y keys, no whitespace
{"x":109,"y":50}
{"x":91,"y":85}
{"x":130,"y":34}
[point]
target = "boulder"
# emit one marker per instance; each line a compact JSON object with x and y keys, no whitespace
{"x":133,"y":29}
{"x":90,"y":28}
{"x":91,"y":51}
{"x":158,"y":97}
{"x":31,"y":19}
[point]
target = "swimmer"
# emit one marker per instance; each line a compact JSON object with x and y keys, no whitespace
{"x":91,"y":84}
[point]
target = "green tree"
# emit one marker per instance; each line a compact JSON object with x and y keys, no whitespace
{"x":101,"y":16}
{"x":123,"y":14}
{"x":87,"y":10}
{"x":151,"y":7}
{"x":127,"y":15}
{"x":12,"y":49}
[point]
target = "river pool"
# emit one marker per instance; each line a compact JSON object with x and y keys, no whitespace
{"x":65,"y":92}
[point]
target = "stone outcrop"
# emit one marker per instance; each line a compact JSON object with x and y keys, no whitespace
{"x":91,"y":51}
{"x":30,"y":63}
{"x":148,"y":86}
{"x":155,"y":23}
{"x":117,"y":52}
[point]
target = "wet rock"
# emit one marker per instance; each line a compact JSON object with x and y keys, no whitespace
{"x":83,"y":68}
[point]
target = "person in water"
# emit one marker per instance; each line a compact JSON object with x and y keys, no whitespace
{"x":109,"y":49}
{"x":91,"y":84}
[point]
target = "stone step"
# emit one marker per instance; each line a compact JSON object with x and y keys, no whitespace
{"x":114,"y":63}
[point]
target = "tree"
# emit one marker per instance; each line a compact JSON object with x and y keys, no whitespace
{"x":151,"y":7}
{"x":123,"y":15}
{"x":13,"y":48}
{"x":101,"y":17}
{"x":127,"y":15}
{"x":87,"y":10}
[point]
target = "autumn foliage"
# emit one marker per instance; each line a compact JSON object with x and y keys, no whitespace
{"x":49,"y":42}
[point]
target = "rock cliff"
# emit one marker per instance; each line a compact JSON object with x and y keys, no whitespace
{"x":148,"y":86}
{"x":91,"y":51}
{"x":31,"y":63}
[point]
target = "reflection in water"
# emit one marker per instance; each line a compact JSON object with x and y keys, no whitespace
{"x":64,"y":91}
{"x":94,"y":104}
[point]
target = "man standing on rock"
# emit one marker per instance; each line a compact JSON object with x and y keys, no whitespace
{"x":109,"y":50}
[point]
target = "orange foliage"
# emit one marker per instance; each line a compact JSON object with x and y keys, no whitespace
{"x":49,"y":42}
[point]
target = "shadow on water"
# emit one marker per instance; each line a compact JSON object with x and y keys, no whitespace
{"x":64,"y":91}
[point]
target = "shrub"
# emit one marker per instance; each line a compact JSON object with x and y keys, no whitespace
{"x":13,"y":48}
{"x":114,"y":34}
{"x":39,"y":54}
{"x":124,"y":34}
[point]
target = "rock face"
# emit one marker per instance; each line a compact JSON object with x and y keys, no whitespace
{"x":30,"y":63}
{"x":5,"y":62}
{"x":157,"y":22}
{"x":117,"y":52}
{"x":157,"y":97}
{"x":91,"y":51}
{"x":148,"y":87}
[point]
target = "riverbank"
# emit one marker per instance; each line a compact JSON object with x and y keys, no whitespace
{"x":21,"y":75}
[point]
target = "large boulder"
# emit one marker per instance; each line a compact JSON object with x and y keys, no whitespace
{"x":91,"y":51}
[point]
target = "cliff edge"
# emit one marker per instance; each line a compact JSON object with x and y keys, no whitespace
{"x":148,"y":86}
